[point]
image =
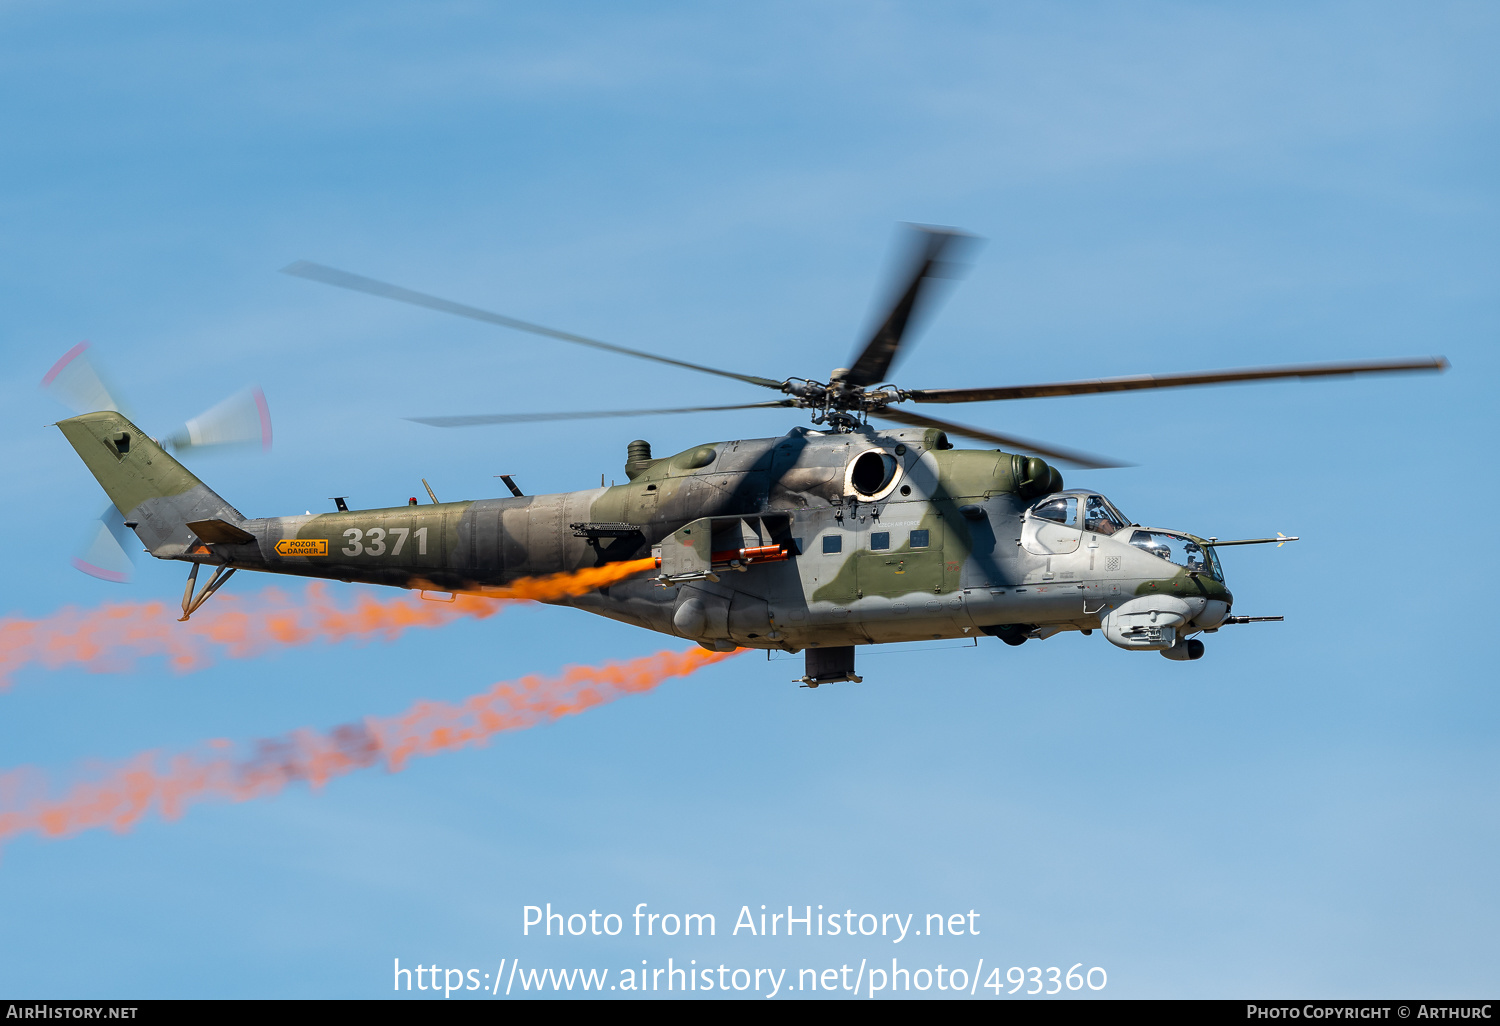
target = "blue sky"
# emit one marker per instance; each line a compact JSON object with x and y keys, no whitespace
{"x":1309,"y":810}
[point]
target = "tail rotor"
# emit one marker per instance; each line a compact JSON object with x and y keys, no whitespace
{"x":75,"y":383}
{"x":107,"y":555}
{"x":240,"y":421}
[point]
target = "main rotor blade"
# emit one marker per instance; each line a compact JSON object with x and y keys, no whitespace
{"x":358,"y":283}
{"x":523,"y":418}
{"x":1136,"y":382}
{"x":1011,"y":442}
{"x":874,"y":361}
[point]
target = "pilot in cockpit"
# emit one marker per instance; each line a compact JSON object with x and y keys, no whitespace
{"x":1197,"y":562}
{"x":1100,"y":517}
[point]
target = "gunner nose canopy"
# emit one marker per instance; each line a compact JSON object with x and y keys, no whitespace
{"x":1181,"y":550}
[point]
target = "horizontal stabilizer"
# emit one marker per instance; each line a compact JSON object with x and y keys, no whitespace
{"x":220,"y":532}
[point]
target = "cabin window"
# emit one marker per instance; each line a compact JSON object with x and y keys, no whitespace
{"x":880,"y":539}
{"x":919,"y":539}
{"x":833,"y":543}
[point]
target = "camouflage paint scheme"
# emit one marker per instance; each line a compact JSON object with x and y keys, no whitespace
{"x":989,"y":565}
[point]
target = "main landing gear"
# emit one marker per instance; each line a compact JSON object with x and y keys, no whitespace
{"x":830,"y":666}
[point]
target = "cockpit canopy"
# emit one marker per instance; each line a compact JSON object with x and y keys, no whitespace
{"x":1090,"y":512}
{"x":1183,"y":551}
{"x":1099,"y":515}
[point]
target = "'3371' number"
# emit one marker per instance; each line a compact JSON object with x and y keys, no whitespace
{"x":373,"y":541}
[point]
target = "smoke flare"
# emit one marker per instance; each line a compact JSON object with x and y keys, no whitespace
{"x":110,"y":638}
{"x":121,"y":795}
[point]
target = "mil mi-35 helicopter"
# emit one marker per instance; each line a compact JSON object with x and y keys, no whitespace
{"x":818,"y":541}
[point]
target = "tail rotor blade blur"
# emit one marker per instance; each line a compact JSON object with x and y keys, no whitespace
{"x":107,"y":555}
{"x":75,"y":383}
{"x":242,"y":419}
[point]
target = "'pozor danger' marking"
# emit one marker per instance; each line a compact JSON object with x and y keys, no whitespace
{"x":302,"y":547}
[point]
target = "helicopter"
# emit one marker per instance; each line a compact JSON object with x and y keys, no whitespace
{"x":829,"y":537}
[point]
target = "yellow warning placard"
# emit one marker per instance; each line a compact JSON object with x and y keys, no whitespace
{"x":302,"y":547}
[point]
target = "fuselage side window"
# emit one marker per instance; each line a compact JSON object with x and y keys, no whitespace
{"x":880,"y":539}
{"x":919,"y":539}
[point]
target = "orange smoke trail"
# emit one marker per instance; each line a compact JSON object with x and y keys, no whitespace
{"x":556,"y":586}
{"x":110,"y":638}
{"x":168,"y":784}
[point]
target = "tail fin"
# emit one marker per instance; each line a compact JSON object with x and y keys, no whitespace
{"x":158,"y":496}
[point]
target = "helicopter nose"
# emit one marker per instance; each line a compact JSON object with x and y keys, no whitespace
{"x":1214,"y":612}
